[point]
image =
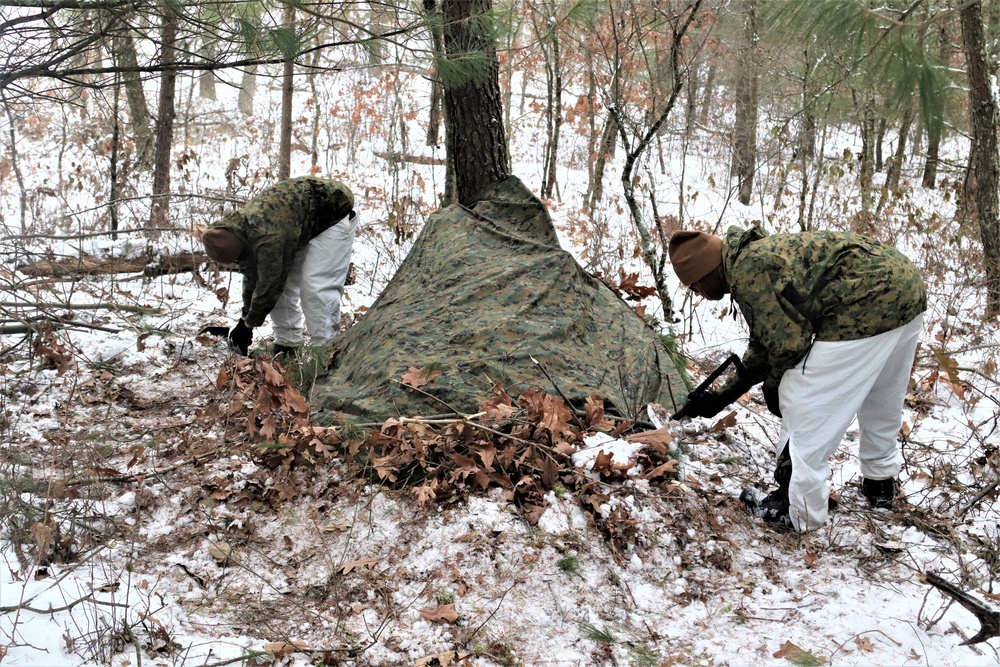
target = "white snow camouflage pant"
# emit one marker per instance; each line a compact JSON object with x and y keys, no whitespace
{"x":821,"y":395}
{"x":315,"y":287}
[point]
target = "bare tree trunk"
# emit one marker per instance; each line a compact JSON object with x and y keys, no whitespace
{"x":248,"y":88}
{"x":206,"y":80}
{"x":935,"y":131}
{"x":287,"y":94}
{"x":128,"y":61}
{"x":113,"y":176}
{"x":16,"y":166}
{"x":475,"y":139}
{"x":707,"y":94}
{"x":879,"y":138}
{"x":983,"y":168}
{"x":437,"y":92}
{"x":159,"y":211}
{"x":549,"y":43}
{"x":896,"y":163}
{"x":745,"y":130}
{"x":867,"y":170}
{"x":605,"y":151}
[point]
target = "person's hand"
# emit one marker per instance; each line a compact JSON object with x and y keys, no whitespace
{"x":705,"y":404}
{"x":240,"y":338}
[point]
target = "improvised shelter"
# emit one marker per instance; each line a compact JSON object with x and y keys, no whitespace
{"x":482,"y":292}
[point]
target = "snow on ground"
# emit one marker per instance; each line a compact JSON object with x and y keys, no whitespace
{"x":139,"y":527}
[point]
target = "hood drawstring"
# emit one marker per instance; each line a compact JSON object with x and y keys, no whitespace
{"x":806,"y":357}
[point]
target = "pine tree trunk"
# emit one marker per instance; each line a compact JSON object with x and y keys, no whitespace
{"x":984,"y":177}
{"x":745,"y":130}
{"x":206,"y":80}
{"x":287,"y":94}
{"x":248,"y":88}
{"x":935,"y":132}
{"x":159,"y":211}
{"x":474,"y":132}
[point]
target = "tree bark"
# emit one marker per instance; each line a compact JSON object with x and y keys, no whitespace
{"x":605,"y":151}
{"x":287,"y":93}
{"x":135,"y":97}
{"x":896,"y":163}
{"x":474,"y":132}
{"x":549,"y":44}
{"x":248,"y":87}
{"x":745,"y":130}
{"x":159,"y":211}
{"x":983,"y":168}
{"x":935,"y":131}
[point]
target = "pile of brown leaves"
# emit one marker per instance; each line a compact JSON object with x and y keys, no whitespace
{"x":522,"y":445}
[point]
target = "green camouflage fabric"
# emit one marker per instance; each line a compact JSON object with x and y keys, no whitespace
{"x":273,"y":227}
{"x":827,"y":286}
{"x":482,"y":292}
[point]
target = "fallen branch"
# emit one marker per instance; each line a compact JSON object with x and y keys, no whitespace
{"x":55,"y":610}
{"x":141,"y":310}
{"x":989,"y":617}
{"x":139,"y":476}
{"x":407,"y":157}
{"x":15,"y":329}
{"x":88,"y":265}
{"x":979,"y":496}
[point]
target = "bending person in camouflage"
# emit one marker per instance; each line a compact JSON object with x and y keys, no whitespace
{"x":293,"y":246}
{"x":834,"y":320}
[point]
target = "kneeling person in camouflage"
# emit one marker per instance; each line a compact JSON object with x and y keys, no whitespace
{"x":834,"y":320}
{"x":293,"y":245}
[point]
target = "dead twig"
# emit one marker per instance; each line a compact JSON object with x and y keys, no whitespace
{"x":979,"y":496}
{"x":139,"y":476}
{"x":989,"y":617}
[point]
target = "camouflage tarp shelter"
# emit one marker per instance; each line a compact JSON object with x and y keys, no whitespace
{"x":482,"y":291}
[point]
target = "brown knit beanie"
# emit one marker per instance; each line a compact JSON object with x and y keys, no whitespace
{"x":694,"y":254}
{"x":221,"y":245}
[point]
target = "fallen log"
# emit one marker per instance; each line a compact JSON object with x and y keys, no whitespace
{"x":989,"y":616}
{"x":88,"y":265}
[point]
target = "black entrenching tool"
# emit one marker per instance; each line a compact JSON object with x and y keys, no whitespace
{"x":707,"y":384}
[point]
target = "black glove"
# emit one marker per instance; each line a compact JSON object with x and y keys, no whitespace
{"x":771,"y":400}
{"x":240,"y":337}
{"x":707,"y":403}
{"x":221,"y":332}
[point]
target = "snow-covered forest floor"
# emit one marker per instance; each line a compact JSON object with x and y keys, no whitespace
{"x":143,"y":526}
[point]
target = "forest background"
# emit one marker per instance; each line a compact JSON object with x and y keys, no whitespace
{"x":127,"y":126}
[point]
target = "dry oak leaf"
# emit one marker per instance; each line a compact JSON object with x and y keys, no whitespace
{"x":418,"y":377}
{"x":364,"y":563}
{"x":281,"y":649}
{"x":864,"y":644}
{"x":728,"y":421}
{"x":669,"y":466}
{"x":442,"y":659}
{"x":223,"y":553}
{"x":797,"y":656}
{"x":443,"y":614}
{"x":660,"y":436}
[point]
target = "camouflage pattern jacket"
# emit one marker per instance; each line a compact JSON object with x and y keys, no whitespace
{"x":828,"y":286}
{"x":273,"y":227}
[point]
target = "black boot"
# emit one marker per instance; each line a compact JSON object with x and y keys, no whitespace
{"x":881,"y":493}
{"x":284,"y":351}
{"x":772,"y":508}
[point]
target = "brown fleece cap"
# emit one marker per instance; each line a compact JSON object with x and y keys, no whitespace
{"x":694,"y":255}
{"x":221,"y":245}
